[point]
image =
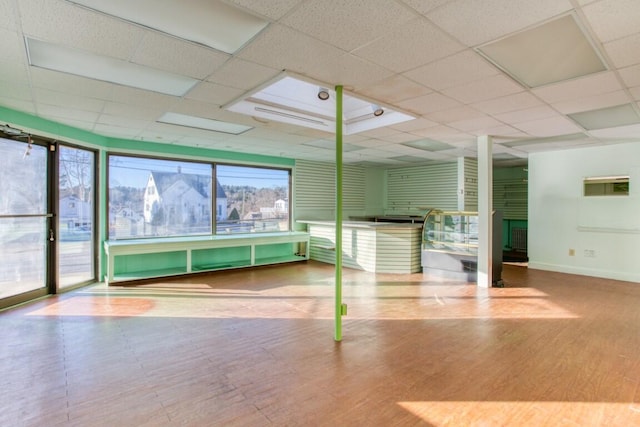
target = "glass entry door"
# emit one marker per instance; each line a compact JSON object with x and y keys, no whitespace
{"x":75,"y":216}
{"x":25,"y":221}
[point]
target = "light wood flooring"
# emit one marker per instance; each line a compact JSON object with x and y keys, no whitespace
{"x":255,"y":347}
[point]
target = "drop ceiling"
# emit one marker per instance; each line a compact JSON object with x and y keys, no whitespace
{"x":430,"y":59}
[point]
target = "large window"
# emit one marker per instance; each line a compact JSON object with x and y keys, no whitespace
{"x":155,"y":197}
{"x":251,"y":199}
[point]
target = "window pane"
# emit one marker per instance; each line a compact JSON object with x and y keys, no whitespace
{"x":251,"y":199}
{"x":75,"y":216}
{"x":152,"y":197}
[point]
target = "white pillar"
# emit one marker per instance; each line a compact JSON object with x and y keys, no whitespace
{"x":485,"y":208}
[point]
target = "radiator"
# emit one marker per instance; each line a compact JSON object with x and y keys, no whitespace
{"x":519,"y":239}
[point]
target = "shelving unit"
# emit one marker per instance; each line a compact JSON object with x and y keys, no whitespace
{"x":161,"y":257}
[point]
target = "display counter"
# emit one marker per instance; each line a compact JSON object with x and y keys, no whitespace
{"x":378,"y":247}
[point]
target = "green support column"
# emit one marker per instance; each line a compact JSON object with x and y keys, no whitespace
{"x":338,"y":284}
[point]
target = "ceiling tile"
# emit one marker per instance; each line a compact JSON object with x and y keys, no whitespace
{"x":635,"y":92}
{"x":8,"y":15}
{"x":518,"y":101}
{"x":416,"y":124}
{"x":549,"y":127}
{"x":271,"y":9}
{"x":352,"y":24}
{"x":461,"y":68}
{"x":12,"y":47}
{"x":55,"y":112}
{"x":579,"y":88}
{"x":143,"y":98}
{"x":213,"y":93}
{"x":528,"y":114}
{"x":132,"y":112}
{"x":624,"y":52}
{"x":478,"y":21}
{"x":177,"y":56}
{"x":426,"y":42}
{"x":613,"y":19}
{"x":62,"y":23}
{"x":13,"y":72}
{"x":481,"y":90}
{"x":477,"y":126}
{"x":630,"y":75}
{"x":428,"y":103}
{"x":394,"y":89}
{"x":72,"y":84}
{"x":425,"y":6}
{"x":242,"y":74}
{"x":283,"y":48}
{"x":455,"y":114}
{"x":619,"y":132}
{"x":593,"y":102}
{"x":51,"y":97}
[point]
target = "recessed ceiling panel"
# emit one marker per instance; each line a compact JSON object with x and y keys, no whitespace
{"x":299,"y":102}
{"x":550,"y":53}
{"x":208,"y":22}
{"x":620,"y":115}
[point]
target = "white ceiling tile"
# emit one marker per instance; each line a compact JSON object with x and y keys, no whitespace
{"x":613,"y":19}
{"x":481,"y":90}
{"x":15,"y":91}
{"x":12,"y":47}
{"x":630,"y":75}
{"x":635,"y":92}
{"x":474,"y":22}
{"x":8,"y":15}
{"x":81,"y":86}
{"x":593,"y":102}
{"x":461,"y":68}
{"x":19,"y":105}
{"x":428,"y":103}
{"x":518,"y":101}
{"x":455,"y":115}
{"x":13,"y":72}
{"x":283,"y":48}
{"x":594,"y":84}
{"x":143,"y":98}
{"x":619,"y":132}
{"x":426,"y":42}
{"x":168,"y":53}
{"x":55,"y":112}
{"x":51,"y":97}
{"x":116,"y":131}
{"x":425,"y":6}
{"x":348,"y":25}
{"x":416,"y":124}
{"x":477,"y":126}
{"x":549,"y":127}
{"x":528,"y":114}
{"x":242,"y":74}
{"x":132,"y":112}
{"x":624,"y":52}
{"x":271,"y":9}
{"x":394,"y":89}
{"x":213,"y":93}
{"x":442,"y":133}
{"x":63,"y":23}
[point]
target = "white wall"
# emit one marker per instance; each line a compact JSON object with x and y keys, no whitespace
{"x":604,"y":232}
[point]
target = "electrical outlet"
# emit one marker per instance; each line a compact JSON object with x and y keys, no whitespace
{"x":572,"y":252}
{"x":589,"y":253}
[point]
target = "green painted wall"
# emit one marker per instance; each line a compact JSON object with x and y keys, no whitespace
{"x":38,"y":126}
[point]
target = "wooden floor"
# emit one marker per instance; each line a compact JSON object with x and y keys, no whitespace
{"x":255,"y":347}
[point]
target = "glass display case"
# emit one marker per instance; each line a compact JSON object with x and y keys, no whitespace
{"x":450,"y":244}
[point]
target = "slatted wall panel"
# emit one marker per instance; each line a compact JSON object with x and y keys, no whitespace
{"x":511,"y":192}
{"x":412,"y":188}
{"x":314,"y":189}
{"x":470,"y":185}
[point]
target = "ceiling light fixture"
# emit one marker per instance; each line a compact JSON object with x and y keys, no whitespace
{"x":377,"y":110}
{"x":212,"y":23}
{"x":323,"y":93}
{"x":72,"y":61}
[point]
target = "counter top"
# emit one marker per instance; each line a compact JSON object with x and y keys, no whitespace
{"x":364,"y":224}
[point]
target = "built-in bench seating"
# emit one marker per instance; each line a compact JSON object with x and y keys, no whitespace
{"x":169,"y":256}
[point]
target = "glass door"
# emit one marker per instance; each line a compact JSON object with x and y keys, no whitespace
{"x":25,"y":221}
{"x":75,"y":216}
